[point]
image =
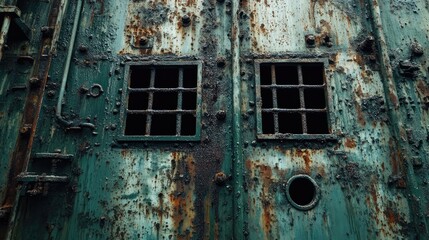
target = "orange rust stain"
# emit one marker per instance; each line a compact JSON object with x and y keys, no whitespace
{"x":321,"y":171}
{"x":350,"y":143}
{"x":190,"y":3}
{"x":394,"y":99}
{"x":266,"y":174}
{"x":374,"y":197}
{"x":181,"y":196}
{"x":361,"y":118}
{"x":326,"y":27}
{"x":391,"y":217}
{"x":305,"y":154}
{"x":359,"y":60}
{"x":263,"y":29}
{"x":125,"y":153}
{"x":359,"y":91}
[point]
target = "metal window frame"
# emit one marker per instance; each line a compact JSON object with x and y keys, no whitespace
{"x":328,"y":98}
{"x":198,"y":110}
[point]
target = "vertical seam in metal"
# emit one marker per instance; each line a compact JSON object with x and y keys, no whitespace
{"x":238,"y":165}
{"x":391,"y":96}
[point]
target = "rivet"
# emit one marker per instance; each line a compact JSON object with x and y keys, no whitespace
{"x":186,"y":21}
{"x":220,"y":178}
{"x":221,"y":115}
{"x":310,"y":39}
{"x":143,"y":41}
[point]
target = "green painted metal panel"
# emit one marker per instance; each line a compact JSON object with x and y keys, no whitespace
{"x":85,"y":180}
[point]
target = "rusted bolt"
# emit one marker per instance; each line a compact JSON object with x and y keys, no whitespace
{"x":221,"y":115}
{"x":367,"y":45}
{"x":83,"y":90}
{"x":220,"y":178}
{"x":82,"y":48}
{"x":221,"y":62}
{"x":143,"y":41}
{"x":51,"y":93}
{"x":310,"y":39}
{"x":416,"y":49}
{"x":327,"y":41}
{"x":186,"y":20}
{"x":47,"y":31}
{"x":102,"y":221}
{"x":34,"y":82}
{"x":26,"y":129}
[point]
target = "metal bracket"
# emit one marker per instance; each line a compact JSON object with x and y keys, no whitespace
{"x":15,"y":13}
{"x":28,"y":177}
{"x":50,"y":156}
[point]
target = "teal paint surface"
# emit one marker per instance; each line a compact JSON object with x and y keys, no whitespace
{"x":229,"y":184}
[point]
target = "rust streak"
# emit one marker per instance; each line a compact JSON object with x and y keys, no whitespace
{"x":350,"y":143}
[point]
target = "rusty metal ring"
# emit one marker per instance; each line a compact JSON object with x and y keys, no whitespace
{"x":312,"y":186}
{"x":96,"y":90}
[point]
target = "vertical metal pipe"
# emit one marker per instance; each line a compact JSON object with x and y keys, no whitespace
{"x":238,"y":161}
{"x":68,"y":62}
{"x":3,"y":34}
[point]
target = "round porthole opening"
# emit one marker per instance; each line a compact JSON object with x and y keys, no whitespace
{"x":302,"y":192}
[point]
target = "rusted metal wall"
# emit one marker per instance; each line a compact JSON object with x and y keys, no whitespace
{"x":228,"y":185}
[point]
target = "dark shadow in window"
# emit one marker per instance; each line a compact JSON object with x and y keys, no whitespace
{"x":290,"y":123}
{"x":135,"y":124}
{"x":317,"y":123}
{"x":163,"y":124}
{"x":140,"y":76}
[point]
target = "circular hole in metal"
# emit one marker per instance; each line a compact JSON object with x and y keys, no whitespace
{"x":302,"y":192}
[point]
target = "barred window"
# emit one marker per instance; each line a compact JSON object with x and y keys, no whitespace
{"x":292,"y":98}
{"x":163,"y":101}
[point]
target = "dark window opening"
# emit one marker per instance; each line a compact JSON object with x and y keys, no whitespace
{"x":268,"y":123}
{"x":288,"y":98}
{"x":189,"y":100}
{"x":140,"y":77}
{"x":293,"y":97}
{"x":290,"y":123}
{"x":190,"y":76}
{"x":166,"y":77}
{"x":312,"y":74}
{"x":265,"y":74}
{"x":138,"y":100}
{"x":162,"y":100}
{"x":302,"y":191}
{"x":188,"y":125}
{"x":135,"y":124}
{"x":267,"y":98}
{"x":163,"y":124}
{"x":286,"y":75}
{"x":314,"y":98}
{"x":317,"y":123}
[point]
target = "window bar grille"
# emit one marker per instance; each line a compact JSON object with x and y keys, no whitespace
{"x":179,"y":104}
{"x":274,"y":92}
{"x":150,"y":102}
{"x":302,"y":99}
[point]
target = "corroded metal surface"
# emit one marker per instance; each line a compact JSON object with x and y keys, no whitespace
{"x":83,"y":181}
